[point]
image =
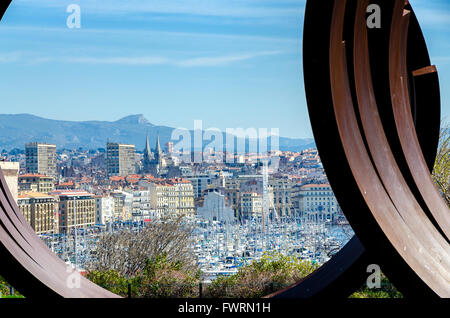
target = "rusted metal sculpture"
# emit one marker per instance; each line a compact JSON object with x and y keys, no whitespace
{"x":374,"y":104}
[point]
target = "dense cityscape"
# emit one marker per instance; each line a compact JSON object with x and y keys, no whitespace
{"x":239,"y":210}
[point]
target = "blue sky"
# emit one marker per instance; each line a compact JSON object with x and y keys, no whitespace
{"x":230,"y":63}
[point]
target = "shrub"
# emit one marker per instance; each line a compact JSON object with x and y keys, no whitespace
{"x":387,"y":290}
{"x":272,"y":272}
{"x":160,"y":278}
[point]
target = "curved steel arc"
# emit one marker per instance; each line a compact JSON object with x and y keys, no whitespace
{"x":38,"y":272}
{"x":404,"y":119}
{"x":427,"y":266}
{"x":384,"y":160}
{"x":339,"y":277}
{"x":387,"y":255}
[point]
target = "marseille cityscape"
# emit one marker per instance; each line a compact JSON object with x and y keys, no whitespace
{"x":238,"y":211}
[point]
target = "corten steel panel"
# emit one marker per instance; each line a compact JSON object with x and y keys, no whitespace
{"x":361,"y":151}
{"x":317,"y":33}
{"x":405,"y":243}
{"x":355,"y":202}
{"x":398,"y":70}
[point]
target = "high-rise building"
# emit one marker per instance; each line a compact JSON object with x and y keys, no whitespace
{"x":120,"y":159}
{"x":41,"y":159}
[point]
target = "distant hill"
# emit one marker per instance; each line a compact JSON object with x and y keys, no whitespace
{"x":17,"y":130}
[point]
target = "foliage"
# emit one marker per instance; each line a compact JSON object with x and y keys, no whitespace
{"x":5,"y":291}
{"x":111,"y":280}
{"x":441,"y":171}
{"x":272,"y":272}
{"x":160,"y":278}
{"x":4,"y":287}
{"x":387,"y":290}
{"x":163,"y":279}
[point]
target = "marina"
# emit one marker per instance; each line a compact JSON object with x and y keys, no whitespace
{"x":221,"y":248}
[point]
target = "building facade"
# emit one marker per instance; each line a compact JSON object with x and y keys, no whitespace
{"x":215,"y":208}
{"x":172,"y":197}
{"x":40,"y":211}
{"x":76,"y":208}
{"x":120,"y":159}
{"x":36,"y":183}
{"x":316,"y":203}
{"x":104,"y":210}
{"x":123,"y":205}
{"x":199,"y":183}
{"x":11,"y":172}
{"x":282,"y":196}
{"x":41,"y":159}
{"x":251,"y":205}
{"x":141,"y":209}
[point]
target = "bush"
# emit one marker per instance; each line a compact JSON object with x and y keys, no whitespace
{"x":164,"y":279}
{"x":160,"y":278}
{"x":5,"y":290}
{"x":272,"y":272}
{"x":111,"y":280}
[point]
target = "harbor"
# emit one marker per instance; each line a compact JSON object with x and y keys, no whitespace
{"x":220,"y":248}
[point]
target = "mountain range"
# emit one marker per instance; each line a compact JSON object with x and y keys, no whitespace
{"x":19,"y":129}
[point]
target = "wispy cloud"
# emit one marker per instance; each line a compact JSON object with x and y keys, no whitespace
{"x":19,"y":57}
{"x":142,"y":60}
{"x":229,"y":8}
{"x":6,"y":30}
{"x":223,"y":60}
{"x":440,"y":59}
{"x":10,"y":57}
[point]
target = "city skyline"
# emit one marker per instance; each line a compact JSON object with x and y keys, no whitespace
{"x":229,"y":63}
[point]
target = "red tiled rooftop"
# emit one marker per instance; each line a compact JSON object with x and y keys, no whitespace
{"x":33,"y":175}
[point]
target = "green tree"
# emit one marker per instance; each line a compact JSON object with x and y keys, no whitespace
{"x":441,"y":171}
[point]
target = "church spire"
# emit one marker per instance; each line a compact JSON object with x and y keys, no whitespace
{"x":147,"y":155}
{"x":147,"y":145}
{"x":158,"y":151}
